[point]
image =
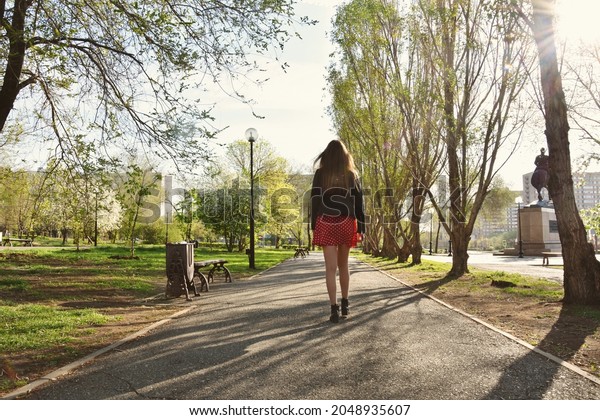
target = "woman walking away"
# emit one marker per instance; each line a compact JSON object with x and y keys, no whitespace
{"x":337,"y":218}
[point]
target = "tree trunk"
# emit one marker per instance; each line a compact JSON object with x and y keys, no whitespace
{"x":132,"y":232}
{"x":416,"y":251}
{"x":16,"y":56}
{"x":581,"y":269}
{"x":229,"y":242}
{"x":375,"y":232}
{"x":437,"y":238}
{"x":418,"y":202}
{"x":188,"y":232}
{"x":368,"y":245}
{"x":457,"y":217}
{"x":460,"y":255}
{"x":390,"y":246}
{"x":403,"y":253}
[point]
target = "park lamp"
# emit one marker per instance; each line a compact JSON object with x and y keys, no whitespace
{"x":431,"y":213}
{"x":518,"y":201}
{"x":251,"y":135}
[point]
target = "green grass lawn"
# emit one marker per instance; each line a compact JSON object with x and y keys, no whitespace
{"x":432,"y":275}
{"x":34,"y":326}
{"x":44,"y":275}
{"x":36,"y":286}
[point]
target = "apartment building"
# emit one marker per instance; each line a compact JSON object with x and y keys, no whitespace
{"x":587,"y":190}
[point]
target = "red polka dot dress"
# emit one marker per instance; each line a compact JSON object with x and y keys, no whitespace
{"x":335,"y":230}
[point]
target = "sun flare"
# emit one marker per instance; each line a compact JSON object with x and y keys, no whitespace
{"x":577,"y":20}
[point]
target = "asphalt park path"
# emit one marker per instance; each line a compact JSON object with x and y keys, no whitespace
{"x":527,"y":265}
{"x":269,"y":338}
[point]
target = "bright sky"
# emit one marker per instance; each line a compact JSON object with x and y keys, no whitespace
{"x":579,"y":19}
{"x":294,"y":103}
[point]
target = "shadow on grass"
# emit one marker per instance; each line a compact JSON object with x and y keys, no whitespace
{"x":432,"y":285}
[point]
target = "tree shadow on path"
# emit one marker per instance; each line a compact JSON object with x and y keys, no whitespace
{"x":532,"y":376}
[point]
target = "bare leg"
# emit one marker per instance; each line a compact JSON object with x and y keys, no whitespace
{"x":330,"y":253}
{"x":342,"y":262}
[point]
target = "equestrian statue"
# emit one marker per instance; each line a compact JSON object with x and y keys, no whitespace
{"x":541,"y":174}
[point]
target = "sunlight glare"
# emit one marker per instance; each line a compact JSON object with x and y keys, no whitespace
{"x":577,"y":20}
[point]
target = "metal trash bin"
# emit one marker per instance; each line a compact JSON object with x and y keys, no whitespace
{"x":180,"y":270}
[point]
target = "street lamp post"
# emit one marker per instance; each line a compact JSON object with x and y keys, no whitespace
{"x":96,"y":219}
{"x":519,"y":200}
{"x":450,"y":234}
{"x":251,"y":136}
{"x":431,"y":233}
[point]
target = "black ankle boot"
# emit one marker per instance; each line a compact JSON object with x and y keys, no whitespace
{"x":335,"y":313}
{"x":345,"y":305}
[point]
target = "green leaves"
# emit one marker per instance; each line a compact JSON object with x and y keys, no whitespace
{"x":122,"y":58}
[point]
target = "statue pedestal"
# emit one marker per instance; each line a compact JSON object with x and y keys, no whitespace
{"x":539,"y":231}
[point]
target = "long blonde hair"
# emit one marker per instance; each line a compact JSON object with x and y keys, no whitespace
{"x":336,"y":163}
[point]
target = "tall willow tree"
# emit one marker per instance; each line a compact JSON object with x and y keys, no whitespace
{"x":483,"y":57}
{"x":413,"y":82}
{"x":427,"y":82}
{"x":125,"y":73}
{"x":368,"y":119}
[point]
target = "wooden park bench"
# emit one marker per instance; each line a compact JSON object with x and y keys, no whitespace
{"x":217,"y":265}
{"x":547,"y":255}
{"x":13,"y":241}
{"x":301,"y":252}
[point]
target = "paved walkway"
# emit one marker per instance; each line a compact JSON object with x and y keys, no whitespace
{"x":270,"y":338}
{"x":530,"y":266}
